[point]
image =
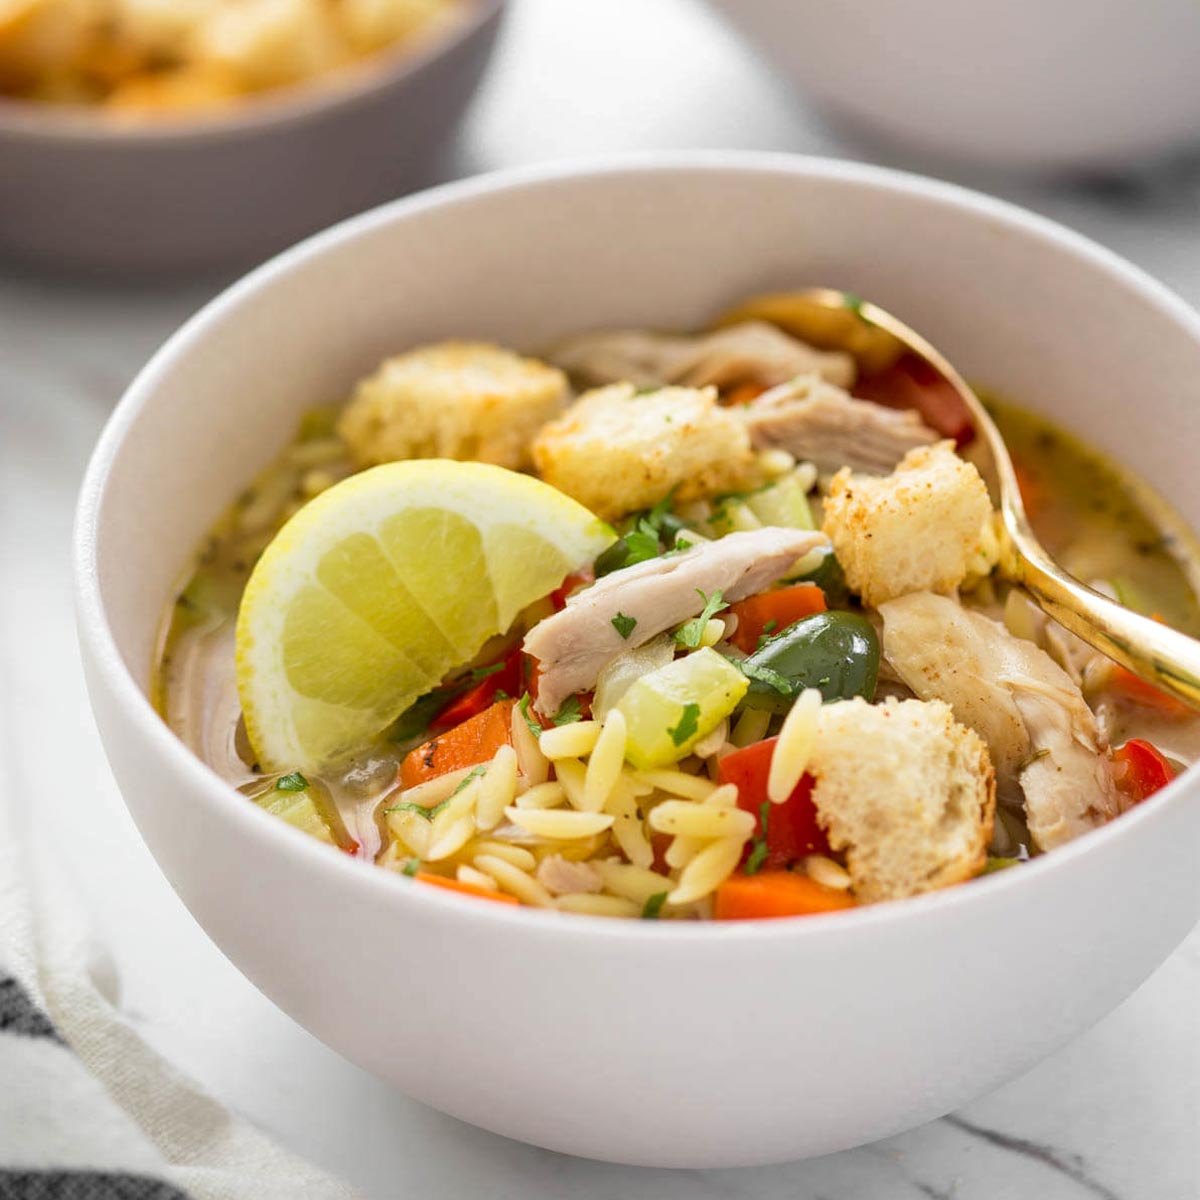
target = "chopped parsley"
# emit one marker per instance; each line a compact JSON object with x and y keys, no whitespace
{"x":473,"y":774}
{"x":650,"y":534}
{"x":420,"y":809}
{"x":530,"y":722}
{"x":767,"y":675}
{"x":758,"y":853}
{"x":624,"y":625}
{"x":653,"y":906}
{"x":768,"y":633}
{"x":411,"y":867}
{"x":689,"y":723}
{"x":641,"y":545}
{"x":295,"y":782}
{"x":569,"y":713}
{"x":484,"y":672}
{"x":853,"y":303}
{"x":689,"y":634}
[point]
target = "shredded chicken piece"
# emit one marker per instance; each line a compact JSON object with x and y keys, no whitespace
{"x":751,"y":352}
{"x":574,"y":645}
{"x":562,"y":877}
{"x":1042,"y":737}
{"x":818,"y":422}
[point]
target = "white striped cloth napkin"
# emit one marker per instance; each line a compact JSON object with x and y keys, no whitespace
{"x":88,"y":1111}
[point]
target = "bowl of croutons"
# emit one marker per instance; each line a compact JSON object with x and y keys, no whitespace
{"x":145,"y":136}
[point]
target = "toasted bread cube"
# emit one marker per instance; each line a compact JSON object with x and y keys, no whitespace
{"x":39,"y":38}
{"x":465,"y":400}
{"x":616,"y":450}
{"x":906,"y":792}
{"x":162,"y":28}
{"x":918,"y":529}
{"x":266,"y":43}
{"x":201,"y":85}
{"x":372,"y":24}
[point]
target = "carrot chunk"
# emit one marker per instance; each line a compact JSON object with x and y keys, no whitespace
{"x":466,"y":745}
{"x":776,"y":894}
{"x":1137,"y":690}
{"x":467,"y":889}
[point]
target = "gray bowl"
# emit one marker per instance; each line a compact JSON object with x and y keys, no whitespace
{"x":83,"y":193}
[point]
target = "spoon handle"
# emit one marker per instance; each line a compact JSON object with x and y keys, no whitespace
{"x":1156,"y":652}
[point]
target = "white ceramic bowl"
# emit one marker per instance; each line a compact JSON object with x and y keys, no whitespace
{"x":83,"y":192}
{"x":668,"y":1044}
{"x":1069,"y":85}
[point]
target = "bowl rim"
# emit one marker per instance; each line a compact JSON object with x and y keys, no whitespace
{"x":386,"y":887}
{"x":39,"y":121}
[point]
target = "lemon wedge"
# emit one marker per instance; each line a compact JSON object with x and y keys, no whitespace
{"x":381,"y":585}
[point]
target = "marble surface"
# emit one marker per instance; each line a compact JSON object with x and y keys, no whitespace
{"x":1115,"y":1115}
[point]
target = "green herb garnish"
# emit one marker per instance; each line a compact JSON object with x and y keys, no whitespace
{"x":569,"y":713}
{"x":641,"y":545}
{"x":295,"y":782}
{"x":653,"y":906}
{"x":474,"y":773}
{"x":853,"y":303}
{"x":624,"y":625}
{"x":767,"y":675}
{"x":530,"y":722}
{"x":690,"y":633}
{"x":484,"y":672}
{"x":420,"y":809}
{"x":411,"y":867}
{"x":758,"y":853}
{"x":688,"y":724}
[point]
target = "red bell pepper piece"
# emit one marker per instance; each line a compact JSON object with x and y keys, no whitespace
{"x":482,"y":695}
{"x":572,"y":583}
{"x":1140,"y":770}
{"x":912,"y":383}
{"x":792,"y":827}
{"x":777,"y":609}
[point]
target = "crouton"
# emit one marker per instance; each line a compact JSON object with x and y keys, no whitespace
{"x":616,"y":450}
{"x":266,"y":43}
{"x":373,"y":24}
{"x":917,"y":530}
{"x":465,"y":400}
{"x":906,"y":792}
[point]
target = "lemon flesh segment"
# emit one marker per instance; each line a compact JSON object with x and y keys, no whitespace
{"x":380,"y":586}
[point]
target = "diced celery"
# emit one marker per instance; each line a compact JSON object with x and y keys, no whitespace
{"x":732,"y":515}
{"x":298,"y":809}
{"x":784,"y":503}
{"x":310,"y":808}
{"x":669,"y":710}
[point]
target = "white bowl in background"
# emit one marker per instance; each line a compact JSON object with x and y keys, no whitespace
{"x":1059,"y":87}
{"x":668,"y":1044}
{"x":83,"y":190}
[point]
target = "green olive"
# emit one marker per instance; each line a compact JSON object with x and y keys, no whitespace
{"x":835,"y":652}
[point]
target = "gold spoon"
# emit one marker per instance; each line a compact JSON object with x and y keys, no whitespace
{"x":1156,"y":653}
